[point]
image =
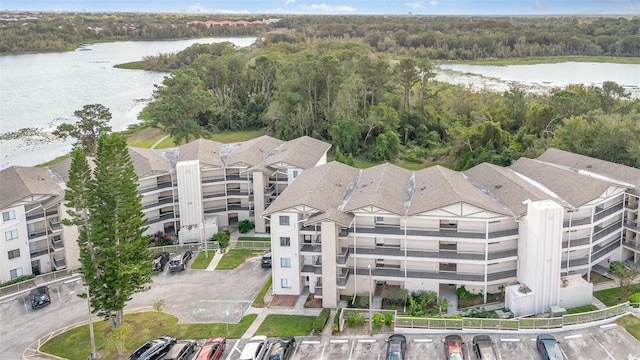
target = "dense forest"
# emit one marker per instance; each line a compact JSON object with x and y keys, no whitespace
{"x":372,"y":106}
{"x":366,"y":84}
{"x":434,"y":37}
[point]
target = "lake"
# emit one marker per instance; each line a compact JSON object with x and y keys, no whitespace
{"x":38,"y":89}
{"x":540,"y":78}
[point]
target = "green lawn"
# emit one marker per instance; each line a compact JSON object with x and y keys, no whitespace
{"x":74,"y":344}
{"x":259,"y":300}
{"x":286,"y":325}
{"x":254,"y":238}
{"x":615,"y":296}
{"x":166,"y":143}
{"x":237,"y":136}
{"x":631,"y":324}
{"x":201,"y":261}
{"x":233,"y":258}
{"x":582,"y":309}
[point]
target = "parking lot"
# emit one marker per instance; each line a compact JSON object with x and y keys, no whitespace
{"x":598,"y":343}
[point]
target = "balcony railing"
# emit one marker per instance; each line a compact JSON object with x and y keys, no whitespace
{"x":212,"y":179}
{"x":39,"y":252}
{"x":211,"y":195}
{"x":238,"y":207}
{"x":237,"y":192}
{"x":57,"y":243}
{"x":281,"y":178}
{"x":318,"y":291}
{"x":311,"y":248}
{"x":158,"y":203}
{"x":162,"y":217}
{"x":232,"y":177}
{"x":214,"y":210}
{"x":439,"y":275}
{"x":59,"y":262}
{"x":397,"y":230}
{"x":576,"y":242}
{"x":631,"y":206}
{"x":269,"y":190}
{"x":599,"y":232}
{"x":344,"y":277}
{"x":577,"y":222}
{"x":435,"y":254}
{"x":599,"y":251}
{"x":632,"y":225}
{"x":37,"y":215}
{"x":160,"y":185}
{"x":633,"y":245}
{"x":606,"y":212}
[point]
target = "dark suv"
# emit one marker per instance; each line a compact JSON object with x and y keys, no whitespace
{"x":160,"y":260}
{"x":154,"y":349}
{"x":40,"y":297}
{"x":266,"y":261}
{"x":179,"y":261}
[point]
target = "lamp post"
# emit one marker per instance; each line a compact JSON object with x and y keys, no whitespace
{"x":370,"y":298}
{"x":93,"y":340}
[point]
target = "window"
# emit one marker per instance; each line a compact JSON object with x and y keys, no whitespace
{"x":285,"y":283}
{"x":14,"y":254}
{"x":11,"y":234}
{"x":295,"y":174}
{"x":284,"y":220}
{"x":379,"y":241}
{"x":15,"y":273}
{"x":9,"y":215}
{"x":379,"y":220}
{"x":285,"y":262}
{"x":285,"y":241}
{"x":307,"y":239}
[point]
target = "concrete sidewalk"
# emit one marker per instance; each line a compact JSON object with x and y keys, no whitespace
{"x":214,"y":262}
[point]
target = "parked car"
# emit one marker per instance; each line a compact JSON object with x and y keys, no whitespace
{"x":154,"y":349}
{"x":483,"y":348}
{"x":548,"y":347}
{"x":266,"y":261}
{"x":40,"y":297}
{"x":181,"y":350}
{"x":255,"y":349}
{"x":282,"y":348}
{"x":160,"y":260}
{"x":396,"y":345}
{"x":179,"y":261}
{"x":453,"y":347}
{"x":212,"y":349}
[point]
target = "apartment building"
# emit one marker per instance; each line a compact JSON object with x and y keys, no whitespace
{"x":531,"y":229}
{"x":33,"y":240}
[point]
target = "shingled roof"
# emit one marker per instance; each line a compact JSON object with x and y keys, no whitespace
{"x":303,"y":152}
{"x":205,"y":151}
{"x":25,"y":184}
{"x":252,"y":152}
{"x":383,"y":186}
{"x":147,"y":162}
{"x":588,"y":164}
{"x":437,"y":187}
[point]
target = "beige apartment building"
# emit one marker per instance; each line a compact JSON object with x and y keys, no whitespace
{"x":532,"y":229}
{"x":193,"y":190}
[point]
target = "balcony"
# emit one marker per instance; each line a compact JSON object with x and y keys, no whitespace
{"x":39,"y":251}
{"x":212,"y":179}
{"x":342,"y":279}
{"x":575,"y":262}
{"x":632,"y":225}
{"x":236,"y":207}
{"x":438,"y":275}
{"x":576,"y":242}
{"x":212,"y":195}
{"x":160,"y":185}
{"x":600,"y":214}
{"x":269,"y":190}
{"x":38,"y":215}
{"x":281,"y":178}
{"x":311,"y":248}
{"x":160,"y":202}
{"x":577,"y":222}
{"x":600,"y":251}
{"x":381,"y":252}
{"x":163,"y":217}
{"x":57,"y":243}
{"x":631,"y":245}
{"x":397,"y":230}
{"x":60,"y":263}
{"x":216,"y":209}
{"x":235,"y":177}
{"x":318,"y":292}
{"x":237,"y":192}
{"x":631,"y":206}
{"x":600,"y":232}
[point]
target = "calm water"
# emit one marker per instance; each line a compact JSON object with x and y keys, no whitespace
{"x":38,"y":89}
{"x":543,"y":77}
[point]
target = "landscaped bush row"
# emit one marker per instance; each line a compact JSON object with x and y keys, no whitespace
{"x":320,"y":322}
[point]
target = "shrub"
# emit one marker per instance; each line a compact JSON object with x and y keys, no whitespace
{"x":355,"y":319}
{"x":223,"y":238}
{"x":244,"y":226}
{"x":388,"y":319}
{"x":336,"y":322}
{"x":464,"y":294}
{"x":320,"y":321}
{"x":377,"y":318}
{"x":361,"y":302}
{"x":634,"y":299}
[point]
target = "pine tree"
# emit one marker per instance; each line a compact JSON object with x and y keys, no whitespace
{"x":115,"y":261}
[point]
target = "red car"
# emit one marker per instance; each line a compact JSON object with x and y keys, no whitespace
{"x":453,"y":347}
{"x":212,"y":349}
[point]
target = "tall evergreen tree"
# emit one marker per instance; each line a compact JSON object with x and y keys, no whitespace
{"x":115,"y":261}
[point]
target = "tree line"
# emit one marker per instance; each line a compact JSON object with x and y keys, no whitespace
{"x":373,"y":106}
{"x":435,"y":37}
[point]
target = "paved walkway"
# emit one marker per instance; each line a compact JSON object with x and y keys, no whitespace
{"x":158,"y":142}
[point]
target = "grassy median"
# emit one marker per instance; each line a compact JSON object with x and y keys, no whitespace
{"x":74,"y":344}
{"x":286,"y":325}
{"x":233,"y":258}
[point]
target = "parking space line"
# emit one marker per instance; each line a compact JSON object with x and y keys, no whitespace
{"x":603,"y":348}
{"x":322,"y":354}
{"x":338,"y":341}
{"x":577,"y":336}
{"x":366,"y":340}
{"x":512,"y":340}
{"x":351,"y":352}
{"x":606,"y":326}
{"x":422,"y":340}
{"x":235,"y":347}
{"x":310,"y":342}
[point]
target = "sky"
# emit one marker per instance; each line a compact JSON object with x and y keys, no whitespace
{"x":361,"y":7}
